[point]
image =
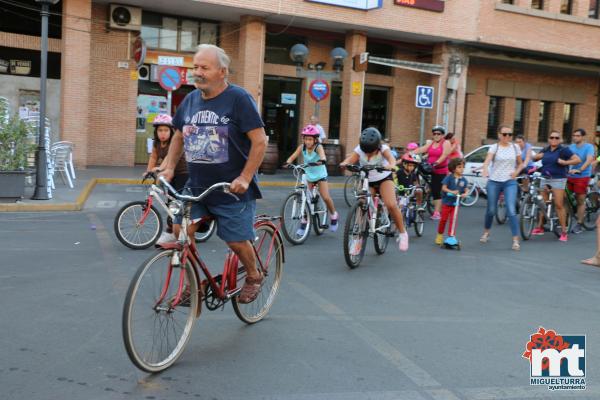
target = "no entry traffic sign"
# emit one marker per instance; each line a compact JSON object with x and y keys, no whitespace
{"x":318,"y":89}
{"x":169,"y":78}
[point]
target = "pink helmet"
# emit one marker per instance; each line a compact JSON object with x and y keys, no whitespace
{"x":412,"y":146}
{"x":163,"y":119}
{"x":310,"y":130}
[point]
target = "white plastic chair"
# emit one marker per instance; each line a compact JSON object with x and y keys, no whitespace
{"x":61,"y":154}
{"x":70,"y":160}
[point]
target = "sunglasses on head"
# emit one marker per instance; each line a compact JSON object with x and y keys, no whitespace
{"x":506,"y":134}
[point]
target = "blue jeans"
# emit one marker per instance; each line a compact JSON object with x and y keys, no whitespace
{"x":510,"y":199}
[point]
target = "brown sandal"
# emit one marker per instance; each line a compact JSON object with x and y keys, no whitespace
{"x":250,"y":290}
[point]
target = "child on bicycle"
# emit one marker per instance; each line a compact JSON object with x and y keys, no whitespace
{"x":453,"y":185}
{"x":370,"y":151}
{"x":406,"y":177}
{"x":163,"y":132}
{"x":312,"y":152}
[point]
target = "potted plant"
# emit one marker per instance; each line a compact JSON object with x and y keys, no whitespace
{"x":15,"y":147}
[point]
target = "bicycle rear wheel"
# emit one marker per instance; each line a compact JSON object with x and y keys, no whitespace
{"x":135,"y":228}
{"x":355,"y":235}
{"x":154,"y":332}
{"x":269,"y":249}
{"x":381,"y":238}
{"x":292,"y":219}
{"x":591,"y":211}
{"x":351,"y":187}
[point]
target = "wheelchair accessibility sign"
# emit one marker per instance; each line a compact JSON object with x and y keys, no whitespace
{"x":424,"y":97}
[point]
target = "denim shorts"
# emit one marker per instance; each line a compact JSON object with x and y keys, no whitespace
{"x":559,"y":183}
{"x":235,"y":221}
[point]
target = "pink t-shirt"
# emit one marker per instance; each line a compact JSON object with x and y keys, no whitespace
{"x":434,"y":154}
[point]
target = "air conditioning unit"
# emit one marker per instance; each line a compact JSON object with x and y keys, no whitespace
{"x":144,"y":73}
{"x":125,"y":17}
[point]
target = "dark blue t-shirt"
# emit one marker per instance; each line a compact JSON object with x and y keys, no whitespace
{"x":215,"y":141}
{"x":550,"y":166}
{"x":452,"y":183}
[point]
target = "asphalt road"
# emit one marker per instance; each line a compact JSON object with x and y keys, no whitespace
{"x":430,"y":324}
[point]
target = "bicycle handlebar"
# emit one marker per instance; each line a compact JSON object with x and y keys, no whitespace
{"x":366,"y":168}
{"x":225,"y":186}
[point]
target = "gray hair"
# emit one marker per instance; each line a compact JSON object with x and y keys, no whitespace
{"x":222,"y":57}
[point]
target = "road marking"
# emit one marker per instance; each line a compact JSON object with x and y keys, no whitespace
{"x":395,"y":395}
{"x":442,"y":394}
{"x":526,"y":392}
{"x":416,"y":374}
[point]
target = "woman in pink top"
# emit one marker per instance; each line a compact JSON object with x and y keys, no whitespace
{"x":438,"y":151}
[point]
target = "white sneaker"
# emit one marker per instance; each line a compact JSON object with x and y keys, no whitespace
{"x":403,"y":241}
{"x":301,"y":229}
{"x":165,"y":237}
{"x":333,"y":226}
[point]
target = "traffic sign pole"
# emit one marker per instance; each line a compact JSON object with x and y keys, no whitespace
{"x":422,"y":133}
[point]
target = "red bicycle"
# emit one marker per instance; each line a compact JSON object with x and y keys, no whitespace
{"x":166,"y":294}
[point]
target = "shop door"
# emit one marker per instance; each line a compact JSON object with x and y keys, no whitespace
{"x":281,"y":111}
{"x":375,"y":107}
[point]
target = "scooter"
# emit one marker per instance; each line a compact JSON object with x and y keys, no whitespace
{"x":451,"y":242}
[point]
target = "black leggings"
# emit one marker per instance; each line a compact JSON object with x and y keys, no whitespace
{"x":436,"y":185}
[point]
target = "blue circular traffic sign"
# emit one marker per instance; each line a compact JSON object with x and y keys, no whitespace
{"x":169,"y":78}
{"x":318,"y":89}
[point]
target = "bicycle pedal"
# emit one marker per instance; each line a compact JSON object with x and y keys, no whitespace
{"x":324,"y":226}
{"x":390,"y":234}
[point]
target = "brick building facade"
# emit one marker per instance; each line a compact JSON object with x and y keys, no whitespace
{"x":501,"y":62}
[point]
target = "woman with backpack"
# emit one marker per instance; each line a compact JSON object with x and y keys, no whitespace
{"x":506,"y":164}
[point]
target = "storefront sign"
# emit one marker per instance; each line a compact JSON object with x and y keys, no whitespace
{"x":431,"y":5}
{"x":288,"y":98}
{"x":20,"y":67}
{"x":318,"y":89}
{"x":170,"y":61}
{"x":356,"y":88}
{"x":139,"y":51}
{"x":169,"y":78}
{"x":357,"y":4}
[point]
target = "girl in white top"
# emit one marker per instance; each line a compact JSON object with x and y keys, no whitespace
{"x":370,"y":151}
{"x":506,"y":164}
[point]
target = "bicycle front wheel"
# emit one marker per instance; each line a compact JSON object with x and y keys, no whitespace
{"x":136,"y":226}
{"x":351,"y":187}
{"x":356,"y":232}
{"x":382,"y":236}
{"x":419,"y":222}
{"x":591,"y":211}
{"x":295,"y":223}
{"x":528,"y":218}
{"x":154,"y":331}
{"x":269,"y":260}
{"x":501,"y":213}
{"x":472,"y":196}
{"x":320,"y":218}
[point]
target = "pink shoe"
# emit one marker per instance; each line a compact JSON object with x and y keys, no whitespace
{"x":436,"y":215}
{"x":563,"y":237}
{"x":403,"y":241}
{"x":537,"y":231}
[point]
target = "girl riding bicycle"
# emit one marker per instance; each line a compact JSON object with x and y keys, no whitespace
{"x":370,"y":151}
{"x":312,"y":152}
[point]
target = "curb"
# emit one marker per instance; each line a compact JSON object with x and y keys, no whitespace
{"x":87,"y":191}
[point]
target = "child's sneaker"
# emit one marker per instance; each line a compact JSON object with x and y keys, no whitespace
{"x":537,"y":231}
{"x":439,"y":239}
{"x":563,"y":237}
{"x":403,"y":241}
{"x":333,"y":226}
{"x":436,"y":215}
{"x":300,"y":232}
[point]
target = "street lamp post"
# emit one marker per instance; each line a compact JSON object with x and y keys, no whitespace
{"x":41,"y":179}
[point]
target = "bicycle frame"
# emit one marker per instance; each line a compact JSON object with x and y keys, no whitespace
{"x":372,"y":203}
{"x":307,"y":194}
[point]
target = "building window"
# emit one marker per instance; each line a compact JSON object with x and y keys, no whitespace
{"x":23,"y":17}
{"x":176,"y":34}
{"x":566,"y":6}
{"x":537,"y":4}
{"x":335,"y":110}
{"x":383,"y":50}
{"x":544,"y":121}
{"x":568,"y":118}
{"x":508,"y":1}
{"x":519,"y":123}
{"x":277,"y":48}
{"x":593,"y":11}
{"x":493,"y":117}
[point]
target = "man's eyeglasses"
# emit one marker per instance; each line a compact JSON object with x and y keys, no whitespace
{"x":554,"y":137}
{"x":506,"y":134}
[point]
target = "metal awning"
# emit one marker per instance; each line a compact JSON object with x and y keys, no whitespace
{"x":433,"y":69}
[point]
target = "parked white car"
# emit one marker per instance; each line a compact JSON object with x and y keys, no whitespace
{"x":474,"y":161}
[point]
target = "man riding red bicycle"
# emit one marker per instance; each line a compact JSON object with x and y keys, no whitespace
{"x":223,"y":136}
